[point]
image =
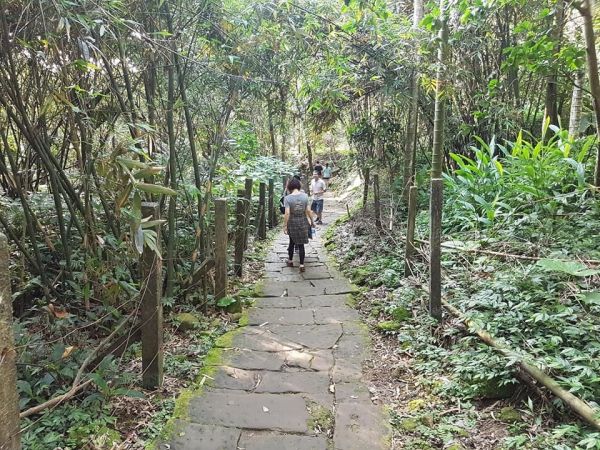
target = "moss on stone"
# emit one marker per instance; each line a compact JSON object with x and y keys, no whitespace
{"x":509,"y":414}
{"x":320,"y":418}
{"x":388,"y":325}
{"x":187,"y":321}
{"x":495,"y":388}
{"x":409,"y":425}
{"x":416,"y":405}
{"x":401,"y":314}
{"x":360,"y":275}
{"x":243,"y":322}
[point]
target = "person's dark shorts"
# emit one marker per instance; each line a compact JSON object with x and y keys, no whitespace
{"x":317,"y":206}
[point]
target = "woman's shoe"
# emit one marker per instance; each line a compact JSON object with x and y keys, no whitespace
{"x":302,"y":269}
{"x":289,"y":263}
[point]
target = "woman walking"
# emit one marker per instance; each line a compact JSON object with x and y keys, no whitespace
{"x":297,"y":220}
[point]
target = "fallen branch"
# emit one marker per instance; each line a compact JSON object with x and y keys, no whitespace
{"x":583,"y":409}
{"x":508,"y":255}
{"x":76,"y":386}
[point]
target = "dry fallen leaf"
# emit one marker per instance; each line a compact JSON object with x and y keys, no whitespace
{"x":68,"y":351}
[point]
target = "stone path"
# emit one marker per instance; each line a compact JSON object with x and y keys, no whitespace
{"x":294,"y":373}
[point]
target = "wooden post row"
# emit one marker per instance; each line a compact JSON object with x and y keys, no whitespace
{"x":240,"y":232}
{"x":152,"y":312}
{"x":435,"y":237}
{"x":220,"y":248}
{"x":9,"y":399}
{"x":410,"y":231}
{"x":271,"y":204}
{"x":261,"y":225}
{"x":248,"y":210}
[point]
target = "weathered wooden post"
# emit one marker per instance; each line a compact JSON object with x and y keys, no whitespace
{"x":410,"y":231}
{"x":262,"y":225}
{"x":220,"y":248}
{"x":240,"y":232}
{"x":9,"y":399}
{"x":152,"y":313}
{"x":248,"y":212}
{"x":435,"y":239}
{"x":377,"y":201}
{"x":271,"y":204}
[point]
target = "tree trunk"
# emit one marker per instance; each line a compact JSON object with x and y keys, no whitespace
{"x":551,"y":103}
{"x":271,"y":128}
{"x":377,"y":201}
{"x":412,"y":123}
{"x":171,"y":244}
{"x":9,"y":399}
{"x":436,"y":201}
{"x":309,"y":154}
{"x":576,"y":106}
{"x":585,"y":8}
{"x":366,"y":181}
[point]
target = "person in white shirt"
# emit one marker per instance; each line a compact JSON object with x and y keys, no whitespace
{"x":317,"y":189}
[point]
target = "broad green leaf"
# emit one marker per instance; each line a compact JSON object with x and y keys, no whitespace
{"x":573,"y":268}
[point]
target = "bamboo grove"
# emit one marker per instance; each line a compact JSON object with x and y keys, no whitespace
{"x":107,"y":104}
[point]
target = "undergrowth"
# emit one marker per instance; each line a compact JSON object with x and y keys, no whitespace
{"x":545,"y":308}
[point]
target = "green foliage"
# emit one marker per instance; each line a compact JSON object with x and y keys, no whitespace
{"x":516,"y":180}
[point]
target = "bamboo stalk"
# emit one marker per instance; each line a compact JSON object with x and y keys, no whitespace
{"x":583,"y":409}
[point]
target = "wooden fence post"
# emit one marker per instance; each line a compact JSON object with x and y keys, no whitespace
{"x":220,"y":248}
{"x":152,"y":313}
{"x":261,"y":226}
{"x":377,"y":201}
{"x":248,"y":210}
{"x":9,"y":399}
{"x":435,"y":238}
{"x":240,"y":231}
{"x":271,"y":204}
{"x":410,"y":231}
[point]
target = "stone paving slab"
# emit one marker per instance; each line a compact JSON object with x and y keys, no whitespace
{"x":279,"y":277}
{"x":307,"y":288}
{"x":277,"y":302}
{"x":335,"y":315}
{"x":252,"y":440}
{"x":234,"y":378}
{"x":359,"y":426}
{"x":319,"y":360}
{"x":324,"y":301}
{"x":352,"y":393}
{"x":249,"y":359}
{"x":293,"y":382}
{"x":309,"y":336}
{"x":281,"y":316}
{"x":255,"y":411}
{"x":193,"y":436}
{"x":261,"y":339}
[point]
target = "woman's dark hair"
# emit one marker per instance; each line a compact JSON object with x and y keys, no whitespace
{"x":293,"y":184}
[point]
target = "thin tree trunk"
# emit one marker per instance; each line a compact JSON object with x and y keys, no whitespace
{"x":551,"y":103}
{"x":585,"y":8}
{"x":271,"y":127}
{"x":436,"y":202}
{"x":412,"y":123}
{"x":171,"y":244}
{"x":576,"y":106}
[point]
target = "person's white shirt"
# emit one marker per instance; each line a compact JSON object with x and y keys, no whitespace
{"x":317,"y":187}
